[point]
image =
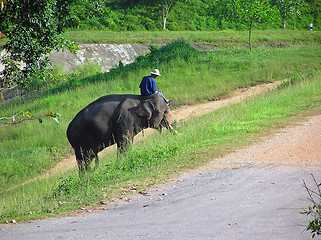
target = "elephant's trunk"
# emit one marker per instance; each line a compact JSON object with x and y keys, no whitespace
{"x":168,"y":124}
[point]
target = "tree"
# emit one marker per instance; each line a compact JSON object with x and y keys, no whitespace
{"x":166,"y":6}
{"x":287,"y":8}
{"x":33,"y":29}
{"x":249,"y":12}
{"x":253,"y":11}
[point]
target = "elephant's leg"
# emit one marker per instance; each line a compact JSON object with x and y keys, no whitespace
{"x":121,"y":148}
{"x":123,"y":140}
{"x":84,"y":158}
{"x":124,"y":143}
{"x":80,"y":161}
{"x":88,"y":155}
{"x":96,"y":160}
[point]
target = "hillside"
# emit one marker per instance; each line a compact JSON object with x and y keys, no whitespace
{"x":189,"y":76}
{"x":138,"y":15}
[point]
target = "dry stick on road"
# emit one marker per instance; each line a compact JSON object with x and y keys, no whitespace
{"x":314,"y":209}
{"x":313,"y":194}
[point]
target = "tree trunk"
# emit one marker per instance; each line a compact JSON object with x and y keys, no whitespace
{"x":164,"y":24}
{"x":250,"y":35}
{"x":164,"y":17}
{"x":2,"y":35}
{"x":284,"y":23}
{"x":166,"y":5}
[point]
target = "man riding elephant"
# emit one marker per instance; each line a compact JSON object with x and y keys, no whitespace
{"x":114,"y":119}
{"x":148,"y":86}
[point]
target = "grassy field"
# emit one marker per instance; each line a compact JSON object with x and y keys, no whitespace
{"x":29,"y":149}
{"x":226,"y":38}
{"x":153,"y":161}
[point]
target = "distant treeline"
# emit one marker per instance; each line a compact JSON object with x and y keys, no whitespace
{"x":137,"y":15}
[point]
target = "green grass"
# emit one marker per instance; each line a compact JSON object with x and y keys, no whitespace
{"x":29,"y":149}
{"x":148,"y":162}
{"x":226,"y":38}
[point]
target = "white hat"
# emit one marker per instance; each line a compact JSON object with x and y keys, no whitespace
{"x":155,"y":72}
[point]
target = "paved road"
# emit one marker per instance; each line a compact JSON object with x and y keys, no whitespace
{"x":243,"y":203}
{"x":258,"y":196}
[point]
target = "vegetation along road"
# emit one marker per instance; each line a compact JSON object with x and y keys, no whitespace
{"x":255,"y":192}
{"x":31,"y":149}
{"x":233,"y":173}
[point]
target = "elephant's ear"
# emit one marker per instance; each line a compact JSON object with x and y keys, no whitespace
{"x":145,"y":108}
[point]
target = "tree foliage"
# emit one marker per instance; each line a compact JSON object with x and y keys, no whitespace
{"x":313,"y":9}
{"x":287,"y":8}
{"x":248,"y":12}
{"x":33,"y":29}
{"x":90,"y":11}
{"x":122,"y":15}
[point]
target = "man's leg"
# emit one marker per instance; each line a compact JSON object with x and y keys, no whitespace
{"x":160,"y":94}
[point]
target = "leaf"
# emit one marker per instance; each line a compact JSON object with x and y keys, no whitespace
{"x":56,"y":120}
{"x":49,"y":114}
{"x":52,"y":114}
{"x":27,"y":114}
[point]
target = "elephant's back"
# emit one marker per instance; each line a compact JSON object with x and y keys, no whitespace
{"x":115,"y":98}
{"x":96,"y":117}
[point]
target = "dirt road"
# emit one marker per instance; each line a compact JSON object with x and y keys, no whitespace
{"x":253,"y":193}
{"x":180,"y":114}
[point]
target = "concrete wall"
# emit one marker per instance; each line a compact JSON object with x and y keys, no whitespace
{"x":107,"y":55}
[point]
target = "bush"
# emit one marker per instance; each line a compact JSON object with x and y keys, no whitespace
{"x":191,"y":15}
{"x":315,"y":209}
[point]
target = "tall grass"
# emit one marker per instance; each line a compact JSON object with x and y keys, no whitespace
{"x":225,"y":38}
{"x":30,"y":148}
{"x":200,"y":139}
{"x":221,"y":39}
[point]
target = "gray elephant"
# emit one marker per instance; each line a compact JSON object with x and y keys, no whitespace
{"x":114,"y":119}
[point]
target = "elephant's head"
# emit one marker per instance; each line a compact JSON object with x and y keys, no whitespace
{"x":155,"y":111}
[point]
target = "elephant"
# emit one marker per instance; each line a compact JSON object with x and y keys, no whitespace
{"x":114,"y":119}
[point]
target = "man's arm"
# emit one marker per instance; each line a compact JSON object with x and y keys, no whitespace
{"x":153,"y":87}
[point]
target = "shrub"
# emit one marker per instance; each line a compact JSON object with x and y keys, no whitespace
{"x":315,"y":209}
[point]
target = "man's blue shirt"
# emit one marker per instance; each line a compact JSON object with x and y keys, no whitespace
{"x":147,"y":86}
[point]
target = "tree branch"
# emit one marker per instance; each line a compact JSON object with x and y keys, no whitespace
{"x":15,"y":119}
